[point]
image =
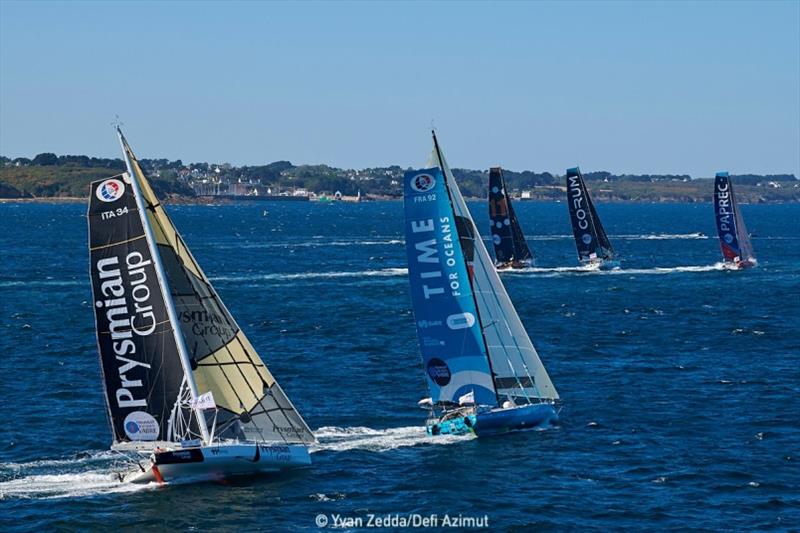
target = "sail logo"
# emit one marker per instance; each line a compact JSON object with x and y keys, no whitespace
{"x":124,"y":321}
{"x":141,"y":426}
{"x":110,"y":190}
{"x":586,"y":238}
{"x":577,"y":202}
{"x":423,"y":182}
{"x":439,"y":372}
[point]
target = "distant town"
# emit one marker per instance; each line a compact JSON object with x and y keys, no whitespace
{"x":49,"y":176}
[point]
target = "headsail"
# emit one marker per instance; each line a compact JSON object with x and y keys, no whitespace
{"x":518,"y":371}
{"x":251,"y":404}
{"x":142,"y":374}
{"x":450,"y":339}
{"x":733,"y":237}
{"x":507,"y":237}
{"x":590,"y":236}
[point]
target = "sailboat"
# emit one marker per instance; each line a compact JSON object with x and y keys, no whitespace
{"x":737,"y":251}
{"x":482,"y":371}
{"x":594,"y":249}
{"x":510,"y":248}
{"x":188,"y":397}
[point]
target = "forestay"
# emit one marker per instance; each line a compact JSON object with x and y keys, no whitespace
{"x":518,"y":371}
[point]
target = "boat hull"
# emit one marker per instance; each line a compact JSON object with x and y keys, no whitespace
{"x":497,"y":421}
{"x":600,"y":264}
{"x":213,"y":463}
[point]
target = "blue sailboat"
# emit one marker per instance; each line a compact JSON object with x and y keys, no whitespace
{"x":737,"y":251}
{"x":510,"y":248}
{"x":482,"y":370}
{"x":594,"y":249}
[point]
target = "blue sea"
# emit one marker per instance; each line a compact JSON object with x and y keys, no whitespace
{"x":680,"y":380}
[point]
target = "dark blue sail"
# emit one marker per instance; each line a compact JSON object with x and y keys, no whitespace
{"x":733,"y":237}
{"x":590,"y":236}
{"x":448,"y":324}
{"x":507,"y":237}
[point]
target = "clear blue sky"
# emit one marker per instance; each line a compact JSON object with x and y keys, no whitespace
{"x":634,"y":87}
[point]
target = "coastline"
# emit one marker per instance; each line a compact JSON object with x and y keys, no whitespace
{"x":210,"y":201}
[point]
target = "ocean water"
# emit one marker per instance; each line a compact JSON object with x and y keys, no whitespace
{"x":679,"y":380}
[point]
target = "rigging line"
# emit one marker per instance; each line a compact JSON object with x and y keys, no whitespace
{"x":514,"y":372}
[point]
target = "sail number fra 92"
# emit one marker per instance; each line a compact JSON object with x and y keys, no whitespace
{"x":420,"y":198}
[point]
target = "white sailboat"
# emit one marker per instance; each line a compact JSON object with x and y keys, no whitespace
{"x":187,"y":395}
{"x":482,"y":370}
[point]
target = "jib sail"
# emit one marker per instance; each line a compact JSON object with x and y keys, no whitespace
{"x":517,"y":370}
{"x":450,"y":339}
{"x":142,"y":373}
{"x":507,"y":237}
{"x":733,"y":237}
{"x":590,"y":236}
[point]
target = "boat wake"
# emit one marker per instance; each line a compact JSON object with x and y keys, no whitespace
{"x":628,"y":237}
{"x":376,"y":440}
{"x":314,"y":244}
{"x":95,"y":473}
{"x":383,"y":272}
{"x":662,"y":236}
{"x":560,"y":271}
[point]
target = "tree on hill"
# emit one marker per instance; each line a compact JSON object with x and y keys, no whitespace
{"x":46,"y":160}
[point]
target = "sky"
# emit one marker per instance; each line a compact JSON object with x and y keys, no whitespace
{"x":628,"y":87}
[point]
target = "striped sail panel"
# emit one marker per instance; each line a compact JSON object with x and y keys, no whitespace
{"x":590,"y":236}
{"x":252,"y":406}
{"x":518,"y":371}
{"x":142,"y":373}
{"x":453,"y":350}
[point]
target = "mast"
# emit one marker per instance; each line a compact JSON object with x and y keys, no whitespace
{"x":162,"y":283}
{"x":478,"y":236}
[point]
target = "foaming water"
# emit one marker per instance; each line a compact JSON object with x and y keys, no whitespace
{"x":94,"y":473}
{"x":377,"y":440}
{"x":384,"y":272}
{"x":617,"y":271}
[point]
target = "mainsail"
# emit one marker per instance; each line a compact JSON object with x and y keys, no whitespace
{"x":251,"y":406}
{"x":142,"y":374}
{"x":590,"y":237}
{"x":733,"y":237}
{"x":516,"y":368}
{"x":507,"y":237}
{"x":453,"y":348}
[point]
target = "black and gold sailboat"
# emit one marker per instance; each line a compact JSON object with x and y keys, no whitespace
{"x":185,"y":389}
